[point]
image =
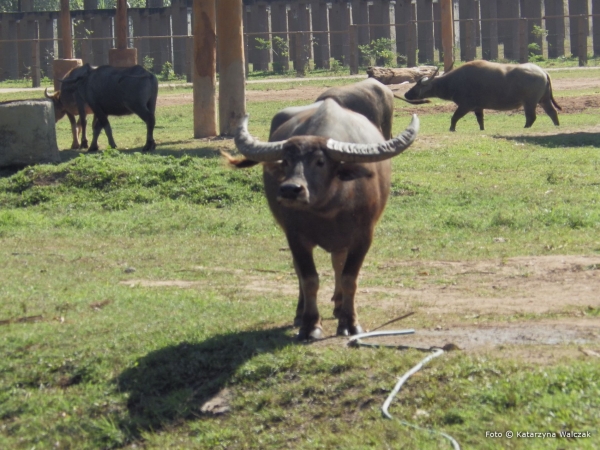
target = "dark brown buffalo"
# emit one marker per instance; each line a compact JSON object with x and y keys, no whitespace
{"x":326,"y":172}
{"x":479,"y":85}
{"x":112,"y":91}
{"x":66,"y":105}
{"x":370,"y":98}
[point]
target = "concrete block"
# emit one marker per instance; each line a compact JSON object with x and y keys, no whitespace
{"x":27,"y":133}
{"x":125,"y":57}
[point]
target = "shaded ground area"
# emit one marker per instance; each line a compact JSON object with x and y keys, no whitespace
{"x":538,"y":308}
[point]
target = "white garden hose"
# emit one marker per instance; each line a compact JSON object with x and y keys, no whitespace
{"x":356,"y":341}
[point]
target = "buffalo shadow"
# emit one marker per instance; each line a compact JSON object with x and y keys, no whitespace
{"x":171,"y":384}
{"x":560,"y":140}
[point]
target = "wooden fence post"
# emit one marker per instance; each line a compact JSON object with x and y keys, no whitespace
{"x":300,"y":60}
{"x":353,"y":49}
{"x":35,"y":56}
{"x":470,"y":39}
{"x":189,"y":58}
{"x":582,"y":40}
{"x":411,"y":43}
{"x":86,"y":50}
{"x":447,"y":33}
{"x":204,"y":75}
{"x":523,"y":42}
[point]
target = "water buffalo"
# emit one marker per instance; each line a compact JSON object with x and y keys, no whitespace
{"x":113,"y":91}
{"x":65,"y":104}
{"x":370,"y":98}
{"x":326,"y":172}
{"x":480,"y":85}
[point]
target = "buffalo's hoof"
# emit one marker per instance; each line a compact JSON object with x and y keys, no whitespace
{"x":297,"y":321}
{"x":310,"y":335}
{"x":149,"y":146}
{"x":343,"y":330}
{"x":84,"y":144}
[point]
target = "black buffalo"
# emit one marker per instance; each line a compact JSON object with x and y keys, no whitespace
{"x":112,"y":91}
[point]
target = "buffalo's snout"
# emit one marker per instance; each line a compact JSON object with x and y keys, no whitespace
{"x":290,"y":191}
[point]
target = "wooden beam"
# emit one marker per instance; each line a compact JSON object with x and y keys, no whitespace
{"x":205,"y":69}
{"x":65,"y":22}
{"x":447,"y":33}
{"x":121,"y":24}
{"x":232,"y":77}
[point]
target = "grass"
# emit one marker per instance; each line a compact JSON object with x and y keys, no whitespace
{"x":105,"y":361}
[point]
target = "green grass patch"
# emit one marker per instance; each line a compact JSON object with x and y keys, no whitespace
{"x":135,"y":287}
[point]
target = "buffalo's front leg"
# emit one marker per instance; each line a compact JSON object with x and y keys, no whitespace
{"x":338,"y":260}
{"x":309,"y":286}
{"x":347,"y":317}
{"x":74,"y":131}
{"x":460,"y":112}
{"x":300,"y":305}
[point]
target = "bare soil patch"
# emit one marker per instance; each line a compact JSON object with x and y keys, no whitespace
{"x":570,"y":105}
{"x":538,"y":308}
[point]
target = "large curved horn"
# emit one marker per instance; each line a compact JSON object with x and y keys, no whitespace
{"x":363,"y":153}
{"x":46,"y":94}
{"x":426,"y":80}
{"x":255,"y":150}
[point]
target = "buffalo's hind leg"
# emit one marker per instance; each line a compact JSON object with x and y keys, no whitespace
{"x":547,"y":105}
{"x":347,"y":317}
{"x":146,"y":113}
{"x":479,"y":115}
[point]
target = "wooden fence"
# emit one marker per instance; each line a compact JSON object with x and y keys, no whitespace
{"x":284,"y":35}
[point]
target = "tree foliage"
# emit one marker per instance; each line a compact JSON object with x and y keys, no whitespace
{"x":54,"y":5}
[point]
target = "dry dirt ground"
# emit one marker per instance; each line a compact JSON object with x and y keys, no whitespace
{"x":570,"y":105}
{"x":540,"y":309}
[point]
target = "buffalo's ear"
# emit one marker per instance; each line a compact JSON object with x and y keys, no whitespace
{"x":349,"y":172}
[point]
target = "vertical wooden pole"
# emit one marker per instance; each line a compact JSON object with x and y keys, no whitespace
{"x":595,"y":27}
{"x":35,"y":56}
{"x":411,"y":41}
{"x":232,"y":76}
{"x":523,"y":42}
{"x":470,"y":40}
{"x":121,"y":24}
{"x":300,"y":59}
{"x":353,"y":49}
{"x":65,"y":22}
{"x":447,"y":33}
{"x":582,"y":39}
{"x":205,"y":76}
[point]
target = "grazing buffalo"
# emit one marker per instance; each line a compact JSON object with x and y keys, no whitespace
{"x":370,"y":98}
{"x":480,"y":85}
{"x":112,"y":91}
{"x":66,"y":105}
{"x":326,"y":172}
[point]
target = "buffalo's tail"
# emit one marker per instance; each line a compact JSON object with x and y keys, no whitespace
{"x":238,"y":163}
{"x":556,"y":105}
